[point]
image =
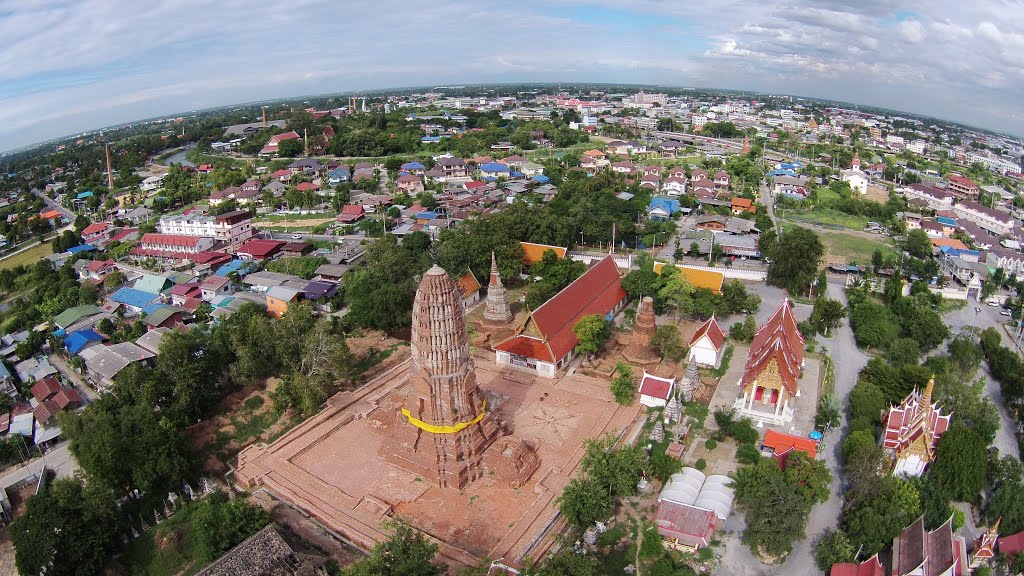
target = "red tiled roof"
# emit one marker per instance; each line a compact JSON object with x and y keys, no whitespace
{"x":211,"y":258}
{"x":45,"y":388}
{"x":95,"y":228}
{"x":1011,"y":545}
{"x":98,"y":265}
{"x":307,"y":187}
{"x":654,"y":386}
{"x":690,"y":525}
{"x":713,"y":331}
{"x":169,"y":239}
{"x":869,"y":567}
{"x":45,"y":410}
{"x":779,"y":340}
{"x":123,"y":233}
{"x":353,"y":209}
{"x":184,"y":289}
{"x":597,"y":291}
{"x":260,"y":248}
{"x":468,"y":284}
{"x":67,"y":397}
{"x":278,"y":138}
{"x":782,"y":443}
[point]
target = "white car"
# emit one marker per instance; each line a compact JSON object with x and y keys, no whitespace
{"x":992,"y":303}
{"x":1006,"y":313}
{"x":296,"y":236}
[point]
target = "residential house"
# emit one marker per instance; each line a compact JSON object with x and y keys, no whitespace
{"x":182,"y":292}
{"x":271,"y":148}
{"x":409,"y":184}
{"x":153,"y":283}
{"x":297,"y":249}
{"x":671,"y":148}
{"x":150,"y":341}
{"x":278,"y":298}
{"x":740,"y":205}
{"x":305,"y":166}
{"x":339,"y":175}
{"x":163,"y":316}
{"x":494,"y":170}
{"x":699,"y":174}
{"x":215,"y":286}
{"x":623,"y":167}
{"x":97,"y":232}
{"x":790,"y":186}
{"x":103,"y":363}
{"x":319,"y":293}
{"x":999,"y":223}
{"x":662,"y":208}
{"x":79,"y":340}
{"x":72,"y":315}
{"x":350,"y":214}
{"x":722,"y":180}
{"x":256,"y":249}
{"x":97,"y":270}
{"x":414,"y":168}
{"x":133,"y":300}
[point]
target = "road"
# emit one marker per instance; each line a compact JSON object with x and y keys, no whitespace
{"x":51,"y":204}
{"x":58,"y":459}
{"x":72,"y":376}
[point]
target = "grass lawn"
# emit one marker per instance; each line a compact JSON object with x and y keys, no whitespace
{"x":849,"y":248}
{"x":27,"y":257}
{"x":166,"y":550}
{"x":950,"y":305}
{"x":828,"y":218}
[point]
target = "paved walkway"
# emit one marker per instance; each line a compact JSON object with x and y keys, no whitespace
{"x":58,"y":459}
{"x":69,"y":373}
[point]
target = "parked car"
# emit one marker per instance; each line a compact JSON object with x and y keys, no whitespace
{"x":296,"y":236}
{"x":1006,"y":313}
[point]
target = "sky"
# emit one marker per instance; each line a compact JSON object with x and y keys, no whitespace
{"x":75,"y":65}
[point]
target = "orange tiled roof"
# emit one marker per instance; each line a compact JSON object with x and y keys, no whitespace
{"x":533,"y":253}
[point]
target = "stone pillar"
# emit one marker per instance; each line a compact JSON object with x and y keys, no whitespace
{"x":643,"y":326}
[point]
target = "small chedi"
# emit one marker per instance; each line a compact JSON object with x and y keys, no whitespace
{"x":498,"y":313}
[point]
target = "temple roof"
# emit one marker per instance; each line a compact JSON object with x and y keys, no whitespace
{"x":779,"y":340}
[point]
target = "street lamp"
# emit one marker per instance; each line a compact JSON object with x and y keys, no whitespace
{"x":581,"y":239}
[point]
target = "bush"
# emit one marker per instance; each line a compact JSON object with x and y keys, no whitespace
{"x":744,"y":432}
{"x":701,"y":464}
{"x":710,"y":444}
{"x":748,"y":454}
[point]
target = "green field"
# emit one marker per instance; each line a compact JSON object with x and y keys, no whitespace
{"x":27,"y":257}
{"x":166,"y":550}
{"x":840,"y":247}
{"x":826,"y":218}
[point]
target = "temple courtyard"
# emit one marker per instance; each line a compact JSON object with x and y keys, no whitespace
{"x":333,"y":466}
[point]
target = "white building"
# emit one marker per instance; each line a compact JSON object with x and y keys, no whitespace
{"x":655,"y":391}
{"x":707,"y":344}
{"x":999,"y":223}
{"x":232,"y":227}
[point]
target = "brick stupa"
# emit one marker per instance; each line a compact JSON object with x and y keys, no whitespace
{"x":449,"y":428}
{"x":498,"y":312}
{"x":639,"y":349}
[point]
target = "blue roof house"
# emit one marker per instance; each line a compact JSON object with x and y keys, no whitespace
{"x":493,"y":170}
{"x":81,"y":339}
{"x":338,"y":175}
{"x":662,"y":208}
{"x":134,"y":300}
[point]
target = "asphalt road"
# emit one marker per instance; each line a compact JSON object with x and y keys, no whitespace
{"x":58,"y":459}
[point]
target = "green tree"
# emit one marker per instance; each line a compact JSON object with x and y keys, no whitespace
{"x":833,"y":548}
{"x":827,"y":315}
{"x":877,"y":510}
{"x":622,"y":384}
{"x":381,"y":293}
{"x":903,"y":351}
{"x":873,"y":325}
{"x":669,"y":344}
{"x":676,"y":294}
{"x":290,"y":148}
{"x":960,"y":463}
{"x":736,"y":299}
{"x":585,"y":501}
{"x":591,"y":331}
{"x":406,"y":552}
{"x":87,"y":518}
{"x":794,"y":261}
{"x":744,"y":331}
{"x":114,"y":279}
{"x":565,"y":562}
{"x":777,"y":502}
{"x":918,"y":244}
{"x":219,"y":524}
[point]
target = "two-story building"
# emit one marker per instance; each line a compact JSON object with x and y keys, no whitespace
{"x":232,"y":227}
{"x":1000,"y":223}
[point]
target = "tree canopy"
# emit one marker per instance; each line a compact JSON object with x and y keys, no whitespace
{"x":794,"y":260}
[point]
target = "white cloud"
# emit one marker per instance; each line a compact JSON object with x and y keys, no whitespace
{"x":70,"y":65}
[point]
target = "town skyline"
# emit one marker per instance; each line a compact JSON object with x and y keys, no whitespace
{"x":877,"y":54}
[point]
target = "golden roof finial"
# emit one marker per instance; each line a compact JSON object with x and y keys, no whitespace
{"x":926,"y":397}
{"x":994,"y":530}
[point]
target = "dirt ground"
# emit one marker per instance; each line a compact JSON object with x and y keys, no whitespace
{"x":878,"y":194}
{"x":307,"y":529}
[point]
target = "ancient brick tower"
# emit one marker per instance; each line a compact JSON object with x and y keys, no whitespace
{"x":444,"y":404}
{"x":498,"y":311}
{"x":639,"y":349}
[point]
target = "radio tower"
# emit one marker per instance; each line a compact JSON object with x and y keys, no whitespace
{"x":110,"y":172}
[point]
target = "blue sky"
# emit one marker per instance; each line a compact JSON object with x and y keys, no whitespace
{"x":70,"y":66}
